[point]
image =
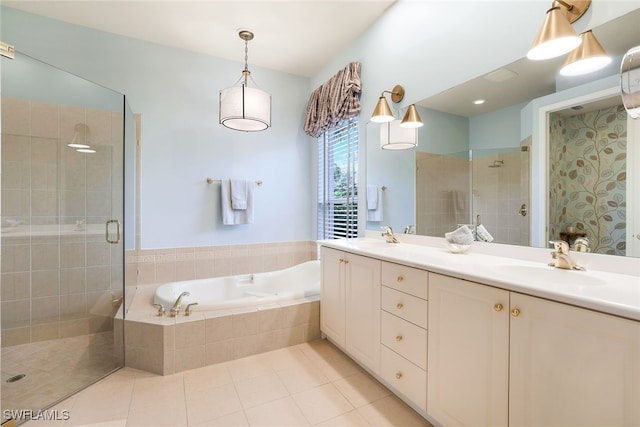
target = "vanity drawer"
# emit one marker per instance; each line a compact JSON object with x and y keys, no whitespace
{"x":404,"y":338}
{"x":406,"y":279}
{"x":406,"y":306}
{"x":404,"y":376}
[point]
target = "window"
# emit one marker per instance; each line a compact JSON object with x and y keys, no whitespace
{"x":338,"y":181}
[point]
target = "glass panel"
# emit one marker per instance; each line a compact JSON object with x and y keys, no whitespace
{"x":61,"y":281}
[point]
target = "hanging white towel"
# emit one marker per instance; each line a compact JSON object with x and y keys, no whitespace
{"x":374,"y":203}
{"x":239,"y":194}
{"x":231,"y":216}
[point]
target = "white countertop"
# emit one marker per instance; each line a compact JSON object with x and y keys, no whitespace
{"x":612,"y":293}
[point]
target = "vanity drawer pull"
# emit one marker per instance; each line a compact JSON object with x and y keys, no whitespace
{"x":399,"y":305}
{"x":498,"y":307}
{"x":398,"y":375}
{"x":399,"y":338}
{"x":515,"y":312}
{"x":400,"y":279}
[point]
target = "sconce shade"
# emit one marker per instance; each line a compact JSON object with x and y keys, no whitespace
{"x":556,"y":37}
{"x":382,"y":113}
{"x":395,"y":137}
{"x":245,"y":108}
{"x":588,"y":57}
{"x":412,"y":118}
{"x":630,"y":82}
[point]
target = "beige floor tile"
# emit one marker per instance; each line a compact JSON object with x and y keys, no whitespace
{"x":340,"y":367}
{"x":249,"y":367}
{"x":279,"y":413}
{"x":302,"y":377}
{"x":361,"y":389}
{"x":320,"y":350}
{"x":350,"y":419}
{"x":391,"y":411}
{"x":200,"y":379}
{"x":261,"y":389}
{"x":158,"y":415}
{"x":92,"y":405}
{"x":211,"y":403}
{"x":322,"y":403}
{"x":286,"y":358}
{"x":237,"y":419}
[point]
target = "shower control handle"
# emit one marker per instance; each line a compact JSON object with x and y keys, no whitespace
{"x":523,"y":210}
{"x":108,"y":228}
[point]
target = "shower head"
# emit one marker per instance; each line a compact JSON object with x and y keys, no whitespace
{"x":497,"y":163}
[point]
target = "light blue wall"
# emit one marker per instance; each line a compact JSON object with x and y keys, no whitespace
{"x":443,"y":133}
{"x":498,"y":129}
{"x":176,"y":92}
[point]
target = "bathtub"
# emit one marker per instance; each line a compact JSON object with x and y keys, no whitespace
{"x":302,"y":280}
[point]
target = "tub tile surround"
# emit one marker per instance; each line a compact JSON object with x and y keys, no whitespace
{"x":165,"y":345}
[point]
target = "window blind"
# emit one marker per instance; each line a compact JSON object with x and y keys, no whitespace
{"x":338,"y":181}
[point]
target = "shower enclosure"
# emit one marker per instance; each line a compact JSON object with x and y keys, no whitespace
{"x":62,"y":140}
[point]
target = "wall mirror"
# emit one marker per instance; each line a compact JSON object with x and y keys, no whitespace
{"x":486,"y":164}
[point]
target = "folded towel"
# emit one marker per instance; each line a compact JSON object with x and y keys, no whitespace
{"x":239,"y":193}
{"x":374,"y":203}
{"x":483,"y":234}
{"x":372,"y":197}
{"x":231,"y":216}
{"x":461,"y":236}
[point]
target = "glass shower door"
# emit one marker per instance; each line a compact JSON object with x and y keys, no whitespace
{"x":61,"y":236}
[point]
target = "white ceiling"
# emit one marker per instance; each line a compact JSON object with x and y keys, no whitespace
{"x":296,"y":37}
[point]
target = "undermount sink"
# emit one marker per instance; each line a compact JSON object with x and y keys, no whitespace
{"x":549,"y":274}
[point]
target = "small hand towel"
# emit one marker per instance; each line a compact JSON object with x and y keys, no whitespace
{"x":461,"y":236}
{"x":483,"y":234}
{"x":232,"y":216}
{"x":374,"y":203}
{"x":239,"y":189}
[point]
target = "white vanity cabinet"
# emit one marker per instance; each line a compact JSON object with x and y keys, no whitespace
{"x":500,"y":358}
{"x":468,"y":353}
{"x":404,"y":331}
{"x":350,"y":304}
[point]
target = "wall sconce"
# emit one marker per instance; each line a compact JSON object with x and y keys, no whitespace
{"x":382,"y":113}
{"x":588,"y":57}
{"x":242,"y":107}
{"x":556,"y":36}
{"x":80,"y":140}
{"x":395,"y":137}
{"x":630,"y":82}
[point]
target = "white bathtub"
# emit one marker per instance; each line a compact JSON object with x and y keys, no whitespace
{"x":302,"y":280}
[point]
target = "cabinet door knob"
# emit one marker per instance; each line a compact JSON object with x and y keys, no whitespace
{"x":399,"y":338}
{"x":498,"y":307}
{"x":399,"y":305}
{"x":346,"y":261}
{"x":515,"y":312}
{"x":400,"y":279}
{"x":398,"y":375}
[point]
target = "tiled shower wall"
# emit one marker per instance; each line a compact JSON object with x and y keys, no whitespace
{"x":58,"y":279}
{"x":442,"y":192}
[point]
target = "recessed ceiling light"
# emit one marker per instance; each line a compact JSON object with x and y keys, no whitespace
{"x":479,"y":101}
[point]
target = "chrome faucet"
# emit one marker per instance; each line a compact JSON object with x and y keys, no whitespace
{"x":409,"y":229}
{"x":389,"y":236}
{"x":561,"y":256}
{"x":175,"y":310}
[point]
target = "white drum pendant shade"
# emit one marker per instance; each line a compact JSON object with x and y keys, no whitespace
{"x":394,"y":137}
{"x":245,"y":108}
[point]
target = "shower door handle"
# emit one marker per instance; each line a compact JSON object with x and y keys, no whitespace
{"x":108,"y":228}
{"x":523,"y":210}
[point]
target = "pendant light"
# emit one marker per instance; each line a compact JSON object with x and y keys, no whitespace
{"x":588,"y":57}
{"x":630,"y":82}
{"x":395,"y":137}
{"x":556,"y":36}
{"x":382,"y":113}
{"x":242,"y":107}
{"x":411,"y":118}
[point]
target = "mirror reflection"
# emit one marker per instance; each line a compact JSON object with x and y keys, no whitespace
{"x":476,"y":164}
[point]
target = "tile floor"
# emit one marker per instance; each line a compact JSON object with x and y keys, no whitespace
{"x":310,"y":384}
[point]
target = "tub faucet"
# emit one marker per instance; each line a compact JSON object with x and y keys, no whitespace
{"x":389,"y":236}
{"x":561,"y":256}
{"x":176,"y":307}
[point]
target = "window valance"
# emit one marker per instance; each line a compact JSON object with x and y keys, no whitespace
{"x":335,"y":100}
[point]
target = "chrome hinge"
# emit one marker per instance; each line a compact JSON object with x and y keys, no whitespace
{"x":7,"y":50}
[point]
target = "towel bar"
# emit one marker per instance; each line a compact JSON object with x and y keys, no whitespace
{"x":211,"y":181}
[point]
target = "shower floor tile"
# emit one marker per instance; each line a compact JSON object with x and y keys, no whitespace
{"x":219,"y":395}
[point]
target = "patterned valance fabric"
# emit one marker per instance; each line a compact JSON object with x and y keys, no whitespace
{"x":336,"y":100}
